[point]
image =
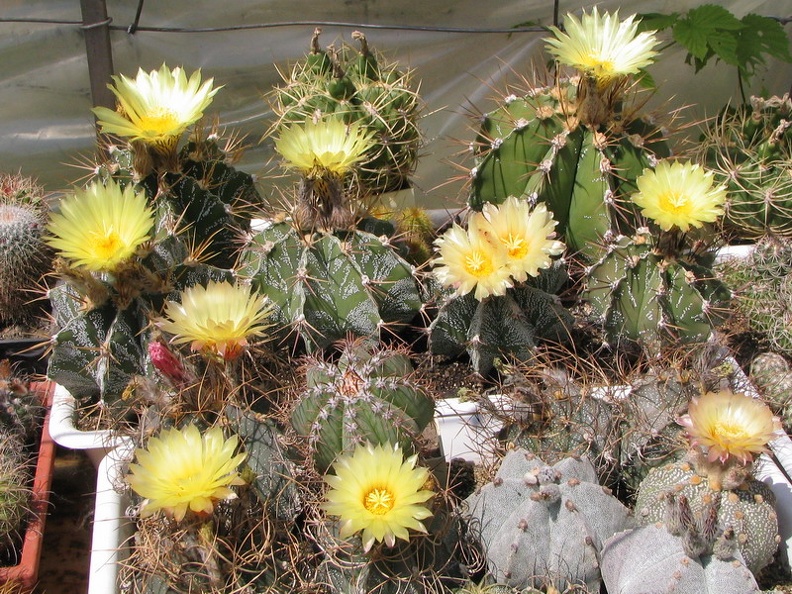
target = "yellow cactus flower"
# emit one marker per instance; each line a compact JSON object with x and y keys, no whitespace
{"x":101,"y":226}
{"x":728,"y":424}
{"x":325,"y":145}
{"x":601,"y":46}
{"x":182,"y":470}
{"x":216,"y":319}
{"x":156,"y":107}
{"x":379,"y":492}
{"x":469,"y":260}
{"x":681,"y":195}
{"x":527,"y":235}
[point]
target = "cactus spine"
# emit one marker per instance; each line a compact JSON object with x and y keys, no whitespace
{"x":369,"y":394}
{"x":358,"y":85}
{"x":26,"y":258}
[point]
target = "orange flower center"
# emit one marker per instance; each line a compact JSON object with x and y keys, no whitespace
{"x":379,"y":501}
{"x":516,"y":246}
{"x":107,"y":245}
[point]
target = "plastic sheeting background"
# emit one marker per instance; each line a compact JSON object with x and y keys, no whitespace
{"x":46,"y":123}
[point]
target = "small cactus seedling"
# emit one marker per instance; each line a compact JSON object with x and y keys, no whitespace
{"x":357,"y":86}
{"x":369,"y":394}
{"x":718,"y":470}
{"x":543,"y":526}
{"x":24,"y":256}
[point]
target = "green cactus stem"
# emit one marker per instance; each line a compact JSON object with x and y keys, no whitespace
{"x":369,"y":394}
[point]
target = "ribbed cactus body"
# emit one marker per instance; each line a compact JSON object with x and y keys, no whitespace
{"x":24,"y":259}
{"x":358,"y":85}
{"x":643,"y":297}
{"x":772,"y":375}
{"x":104,"y":320}
{"x":543,"y":526}
{"x":368,"y":395}
{"x":750,"y":148}
{"x":747,"y":510}
{"x":502,"y":326}
{"x":650,"y":559}
{"x":535,"y":147}
{"x":14,"y":490}
{"x":328,"y":285}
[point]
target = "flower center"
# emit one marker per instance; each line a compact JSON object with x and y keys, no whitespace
{"x":107,"y":245}
{"x":725,"y":432}
{"x":517,"y":247}
{"x":379,"y":501}
{"x":161,"y":123}
{"x":674,"y":202}
{"x":478,"y":264}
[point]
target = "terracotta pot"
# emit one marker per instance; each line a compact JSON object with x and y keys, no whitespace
{"x":26,"y":572}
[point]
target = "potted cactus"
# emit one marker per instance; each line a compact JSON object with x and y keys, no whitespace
{"x":27,"y":457}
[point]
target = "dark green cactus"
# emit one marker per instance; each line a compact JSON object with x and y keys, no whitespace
{"x":746,"y":509}
{"x":325,"y":286}
{"x":750,"y":148}
{"x":104,"y":322}
{"x":358,"y":85}
{"x":534,"y":146}
{"x":651,"y":555}
{"x":642,"y":296}
{"x":24,"y":257}
{"x":543,"y":526}
{"x":369,"y":394}
{"x":508,"y":325}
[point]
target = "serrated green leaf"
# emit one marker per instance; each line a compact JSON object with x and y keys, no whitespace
{"x":655,"y":21}
{"x":708,"y":28}
{"x":760,"y":35}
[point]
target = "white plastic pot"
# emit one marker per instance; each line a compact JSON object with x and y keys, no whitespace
{"x":467,"y":430}
{"x":111,"y":527}
{"x":96,"y":444}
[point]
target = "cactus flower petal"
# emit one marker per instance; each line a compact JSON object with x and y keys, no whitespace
{"x":325,"y":145}
{"x":727,"y":424}
{"x":376,"y":491}
{"x":601,"y":46}
{"x":182,"y":470}
{"x":681,"y":195}
{"x":101,"y":226}
{"x":156,"y":107}
{"x":469,"y":260}
{"x":217,"y":319}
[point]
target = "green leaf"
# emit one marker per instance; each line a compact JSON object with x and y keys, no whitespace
{"x":706,"y":28}
{"x":760,"y":35}
{"x":655,"y":21}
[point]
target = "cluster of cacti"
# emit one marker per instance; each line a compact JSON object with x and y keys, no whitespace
{"x":644,"y":296}
{"x":543,"y":526}
{"x":369,"y":395}
{"x":25,"y":258}
{"x":357,"y":86}
{"x":762,"y":287}
{"x":327,"y":285}
{"x":200,"y":207}
{"x":750,"y":148}
{"x":539,"y":145}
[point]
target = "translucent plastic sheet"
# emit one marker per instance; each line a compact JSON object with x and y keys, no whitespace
{"x":46,"y":123}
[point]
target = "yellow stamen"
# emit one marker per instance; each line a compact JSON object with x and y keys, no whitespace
{"x":379,"y":501}
{"x":477,"y":264}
